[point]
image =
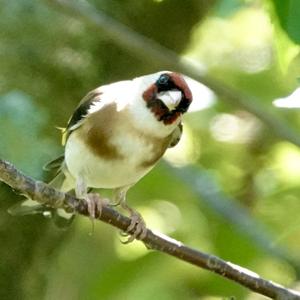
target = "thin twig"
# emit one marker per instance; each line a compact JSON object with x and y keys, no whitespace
{"x":51,"y":197}
{"x":166,"y":58}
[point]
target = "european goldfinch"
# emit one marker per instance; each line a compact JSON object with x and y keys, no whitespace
{"x":117,"y":134}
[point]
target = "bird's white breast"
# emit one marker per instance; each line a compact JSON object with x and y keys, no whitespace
{"x":100,"y":172}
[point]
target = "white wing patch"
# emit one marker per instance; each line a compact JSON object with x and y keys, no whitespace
{"x":95,"y":106}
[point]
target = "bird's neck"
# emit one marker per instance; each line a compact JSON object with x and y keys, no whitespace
{"x":146,"y":120}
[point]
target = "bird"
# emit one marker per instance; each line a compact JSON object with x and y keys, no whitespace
{"x":116,"y":135}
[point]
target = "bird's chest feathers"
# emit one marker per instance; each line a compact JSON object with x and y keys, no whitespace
{"x":114,"y":136}
{"x":112,"y":144}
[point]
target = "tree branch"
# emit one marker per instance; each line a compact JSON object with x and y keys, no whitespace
{"x":152,"y":51}
{"x":202,"y":183}
{"x":49,"y":196}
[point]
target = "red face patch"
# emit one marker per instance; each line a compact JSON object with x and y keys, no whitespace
{"x":160,"y":110}
{"x":181,"y":84}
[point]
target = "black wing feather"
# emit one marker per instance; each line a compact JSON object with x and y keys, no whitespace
{"x":80,"y":113}
{"x":54,"y":164}
{"x":83,"y":107}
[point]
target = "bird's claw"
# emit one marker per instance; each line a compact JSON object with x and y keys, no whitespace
{"x":114,"y":204}
{"x":136,"y":229}
{"x":95,"y":205}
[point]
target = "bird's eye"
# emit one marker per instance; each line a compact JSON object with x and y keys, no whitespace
{"x":163,"y":79}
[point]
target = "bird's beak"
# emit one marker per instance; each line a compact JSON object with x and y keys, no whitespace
{"x":171,"y":98}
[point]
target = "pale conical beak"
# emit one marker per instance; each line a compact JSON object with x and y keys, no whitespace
{"x":171,"y":98}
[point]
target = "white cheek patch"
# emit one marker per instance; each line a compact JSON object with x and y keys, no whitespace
{"x":170,"y":98}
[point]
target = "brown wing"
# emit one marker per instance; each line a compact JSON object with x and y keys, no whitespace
{"x":176,"y":136}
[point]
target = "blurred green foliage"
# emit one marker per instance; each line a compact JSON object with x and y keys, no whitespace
{"x":245,"y":205}
{"x":288,"y":13}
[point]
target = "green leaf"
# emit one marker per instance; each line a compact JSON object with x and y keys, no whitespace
{"x":288,"y":12}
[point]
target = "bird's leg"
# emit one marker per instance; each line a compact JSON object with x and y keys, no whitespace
{"x":118,"y":194}
{"x":137,"y":222}
{"x":94,"y":202}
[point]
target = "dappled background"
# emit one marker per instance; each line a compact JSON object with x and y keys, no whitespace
{"x":230,"y":188}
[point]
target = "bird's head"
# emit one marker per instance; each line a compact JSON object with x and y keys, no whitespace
{"x":166,"y":95}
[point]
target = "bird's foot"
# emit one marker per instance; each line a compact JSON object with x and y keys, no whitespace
{"x":137,"y":227}
{"x":114,"y":204}
{"x":95,"y":204}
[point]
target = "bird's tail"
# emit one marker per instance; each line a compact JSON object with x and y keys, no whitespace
{"x":61,"y":182}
